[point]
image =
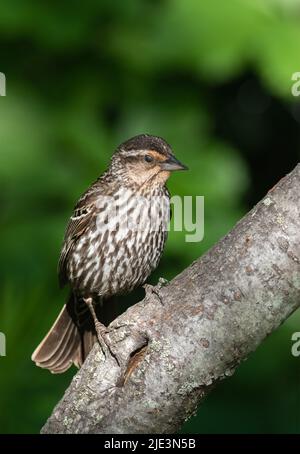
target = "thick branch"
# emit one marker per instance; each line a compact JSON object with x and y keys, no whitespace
{"x":213,"y":315}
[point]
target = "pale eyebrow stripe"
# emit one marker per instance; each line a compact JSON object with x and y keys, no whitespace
{"x":154,"y":153}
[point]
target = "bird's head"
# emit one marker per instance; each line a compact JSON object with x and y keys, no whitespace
{"x":145,"y":159}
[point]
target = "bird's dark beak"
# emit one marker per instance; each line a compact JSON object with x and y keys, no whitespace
{"x":173,"y":163}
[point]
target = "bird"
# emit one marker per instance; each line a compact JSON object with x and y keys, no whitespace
{"x":113,"y":241}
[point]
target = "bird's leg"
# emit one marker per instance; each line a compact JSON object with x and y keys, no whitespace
{"x":101,"y":331}
{"x":99,"y":327}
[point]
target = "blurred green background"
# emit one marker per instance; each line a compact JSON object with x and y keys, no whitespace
{"x":214,"y":79}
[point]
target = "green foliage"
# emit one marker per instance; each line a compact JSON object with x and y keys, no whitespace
{"x":81,"y":78}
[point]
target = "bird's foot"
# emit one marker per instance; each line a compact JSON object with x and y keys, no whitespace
{"x":106,"y":348}
{"x":101,"y":332}
{"x":162,"y":282}
{"x":151,"y":289}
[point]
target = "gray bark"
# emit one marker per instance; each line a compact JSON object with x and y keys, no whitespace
{"x":176,"y":346}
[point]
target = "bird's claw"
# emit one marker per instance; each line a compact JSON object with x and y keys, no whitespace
{"x":102,"y":332}
{"x":151,"y":289}
{"x":162,"y":282}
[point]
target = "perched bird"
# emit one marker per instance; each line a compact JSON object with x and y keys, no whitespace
{"x":114,"y":240}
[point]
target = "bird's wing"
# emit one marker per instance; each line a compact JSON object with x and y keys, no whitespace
{"x":84,"y":216}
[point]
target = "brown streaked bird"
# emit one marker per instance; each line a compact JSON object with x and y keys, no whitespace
{"x":114,"y":240}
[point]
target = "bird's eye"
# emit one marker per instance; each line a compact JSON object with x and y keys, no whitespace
{"x":148,"y":158}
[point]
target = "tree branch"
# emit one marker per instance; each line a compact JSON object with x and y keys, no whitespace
{"x":174,"y":348}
